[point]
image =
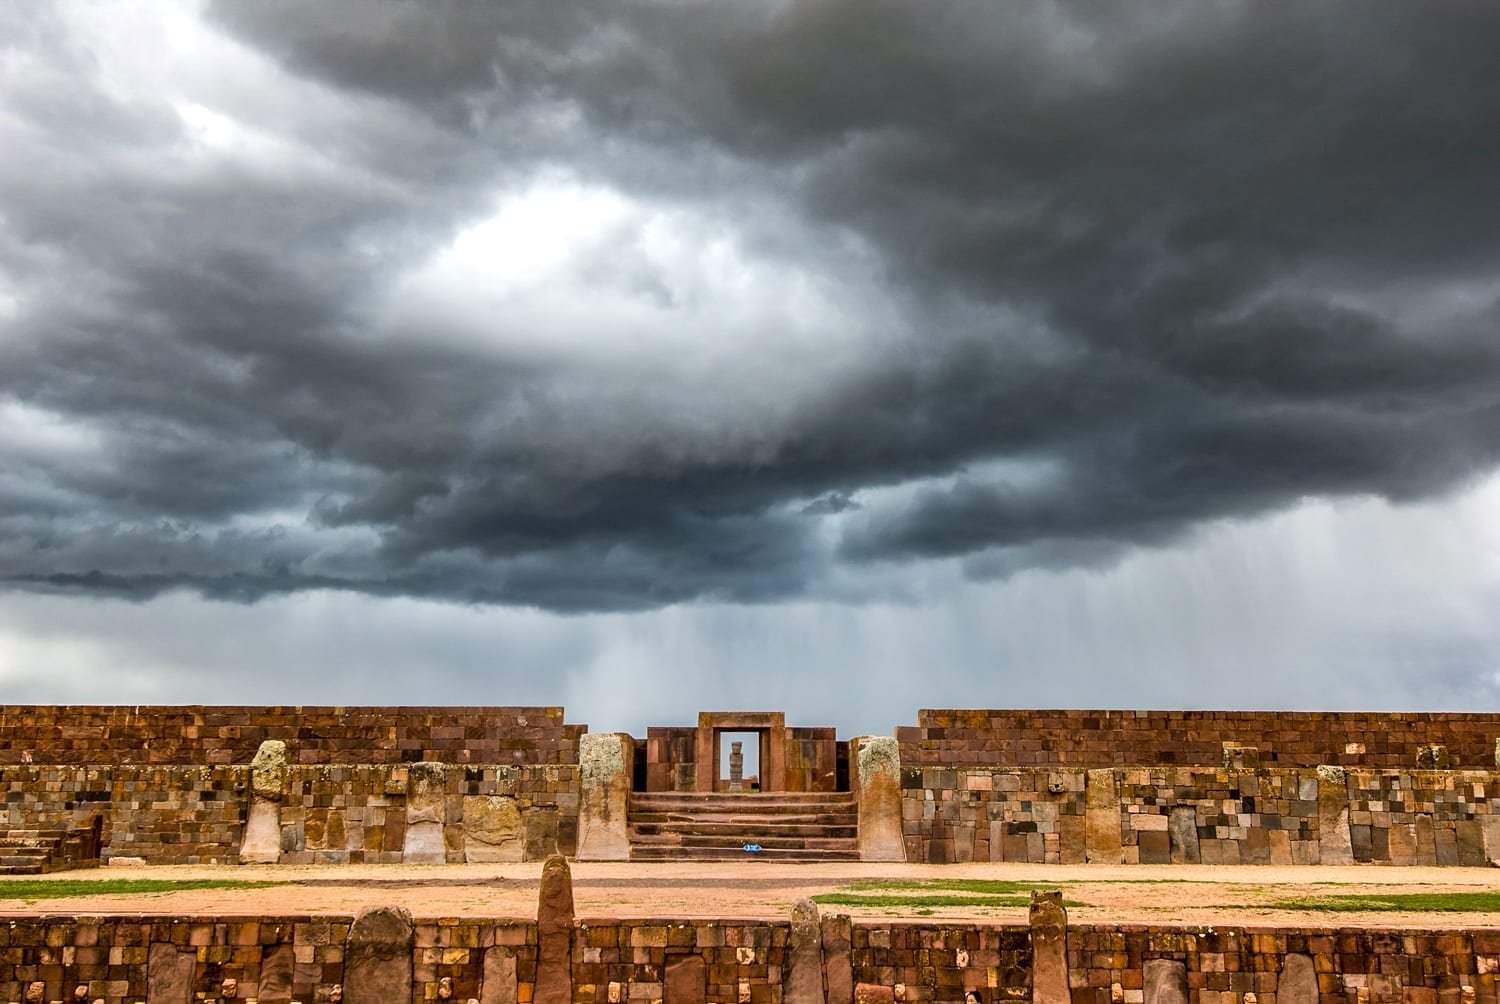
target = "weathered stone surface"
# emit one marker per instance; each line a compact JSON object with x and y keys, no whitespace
{"x":1298,"y":983}
{"x":1426,"y":840}
{"x":1165,"y":982}
{"x":426,"y":792}
{"x":1182,"y":833}
{"x":1447,"y":847}
{"x":493,"y":829}
{"x":554,"y":928}
{"x":262,"y":842}
{"x":169,"y":974}
{"x":1432,"y":757}
{"x":604,"y":762}
{"x":1401,"y":843}
{"x":1334,"y":845}
{"x":685,"y":980}
{"x":541,"y":833}
{"x":268,"y":771}
{"x":838,"y":966}
{"x":878,"y":765}
{"x":803,"y":981}
{"x":1049,"y":949}
{"x":377,"y":957}
{"x":426,"y":802}
{"x":498,"y":984}
{"x":1491,"y":824}
{"x":869,"y":993}
{"x":1470,"y":833}
{"x":1102,"y":816}
{"x":423,"y":844}
{"x":276,"y":970}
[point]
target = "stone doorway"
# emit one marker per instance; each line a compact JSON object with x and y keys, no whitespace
{"x":739,"y":761}
{"x":769,"y":731}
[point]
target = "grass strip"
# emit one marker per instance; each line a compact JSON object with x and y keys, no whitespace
{"x":1484,"y":901}
{"x":931,"y":900}
{"x":992,"y":887}
{"x":35,"y":889}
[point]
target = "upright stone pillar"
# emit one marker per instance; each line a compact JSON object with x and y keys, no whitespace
{"x":838,"y":962}
{"x":554,"y":931}
{"x":803,"y":981}
{"x":262,"y":842}
{"x":605,"y":761}
{"x":1334,"y":846}
{"x":377,"y":957}
{"x":1101,"y":794}
{"x":1049,"y":949}
{"x":426,"y":808}
{"x":877,"y":763}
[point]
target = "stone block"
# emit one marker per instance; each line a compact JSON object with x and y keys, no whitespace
{"x":869,"y":993}
{"x":493,"y":829}
{"x":276,"y":970}
{"x":262,"y":841}
{"x":378,"y":957}
{"x":685,"y":980}
{"x":498,"y":980}
{"x":169,"y":974}
{"x":1102,"y":818}
{"x":1049,"y":949}
{"x":1334,"y":845}
{"x":802,"y":982}
{"x":605,"y":761}
{"x":877,"y":762}
{"x":1164,"y":981}
{"x":1298,"y":982}
{"x":838,"y":967}
{"x":554,"y":928}
{"x":1182,"y":835}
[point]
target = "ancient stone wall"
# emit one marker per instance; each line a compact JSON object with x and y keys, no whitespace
{"x":982,"y":738}
{"x":278,"y":959}
{"x":328,"y":814}
{"x":216,"y":735}
{"x":1201,"y":815}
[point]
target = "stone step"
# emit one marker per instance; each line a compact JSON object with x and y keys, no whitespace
{"x":22,"y":869}
{"x":730,"y":828}
{"x":740,"y":808}
{"x":748,"y":798}
{"x":41,"y":835}
{"x":780,"y":855}
{"x":717,"y":818}
{"x":24,"y":851}
{"x":738,"y":841}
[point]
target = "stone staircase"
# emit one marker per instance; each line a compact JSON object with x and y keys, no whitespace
{"x":36,"y":852}
{"x":717,"y":826}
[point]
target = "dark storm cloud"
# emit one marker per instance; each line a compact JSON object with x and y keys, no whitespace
{"x":1124,"y":270}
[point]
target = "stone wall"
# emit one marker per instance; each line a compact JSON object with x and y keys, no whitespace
{"x":277,"y":959}
{"x":981,"y":738}
{"x":1213,"y":816}
{"x":334,"y":814}
{"x":222,"y":735}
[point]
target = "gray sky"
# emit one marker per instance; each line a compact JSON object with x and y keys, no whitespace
{"x":843,"y":358}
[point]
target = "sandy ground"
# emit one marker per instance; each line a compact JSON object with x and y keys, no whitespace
{"x":1175,"y":894}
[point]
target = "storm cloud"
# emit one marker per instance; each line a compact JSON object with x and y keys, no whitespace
{"x":609,"y":307}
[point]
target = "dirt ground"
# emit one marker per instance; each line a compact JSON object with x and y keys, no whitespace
{"x":1175,"y":894}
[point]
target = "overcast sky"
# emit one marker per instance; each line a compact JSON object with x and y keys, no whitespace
{"x":838,"y":357}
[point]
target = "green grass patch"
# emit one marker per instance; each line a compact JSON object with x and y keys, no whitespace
{"x":1482,"y":901}
{"x":917,"y":901}
{"x":36,"y":889}
{"x":989,"y":887}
